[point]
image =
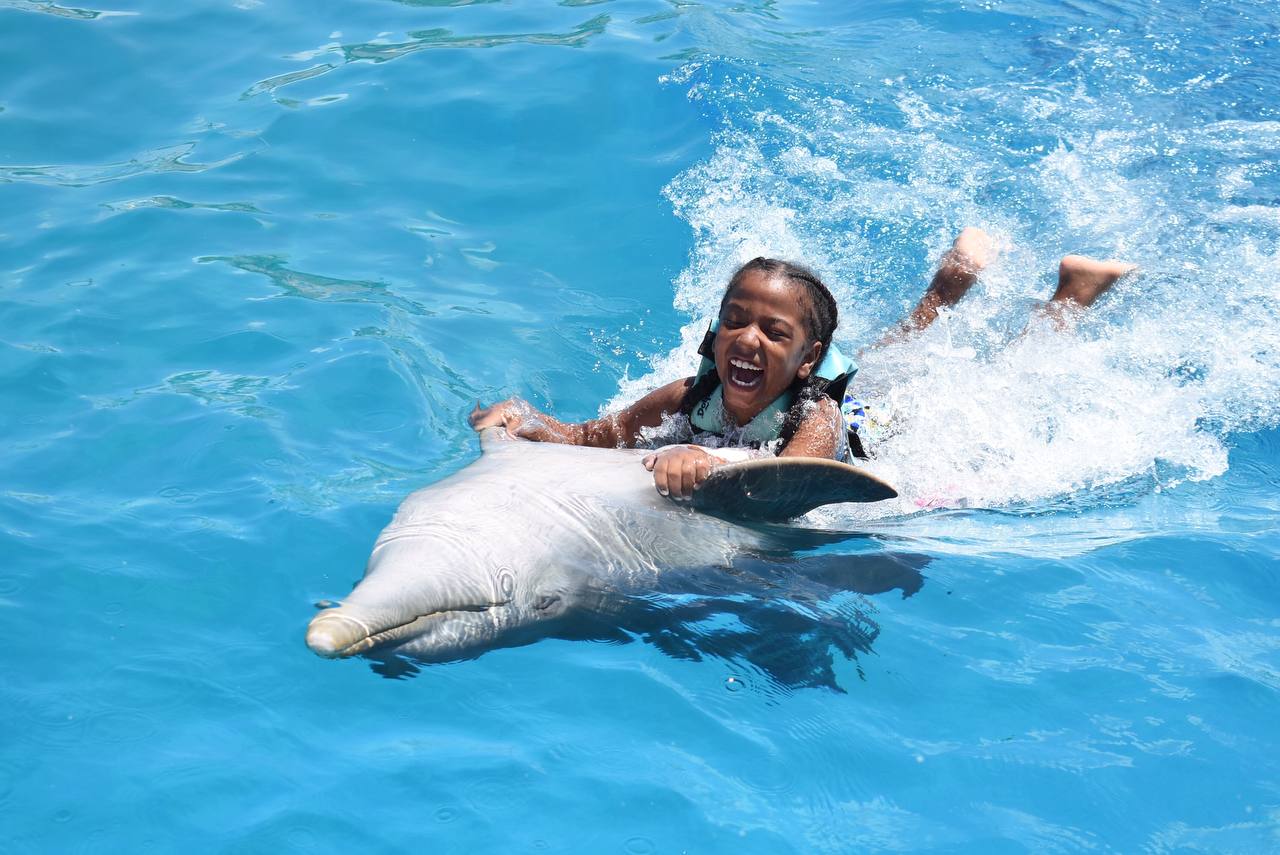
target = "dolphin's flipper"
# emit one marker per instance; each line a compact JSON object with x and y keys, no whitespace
{"x":775,"y":489}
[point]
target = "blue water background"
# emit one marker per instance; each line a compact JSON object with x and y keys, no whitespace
{"x":258,"y":260}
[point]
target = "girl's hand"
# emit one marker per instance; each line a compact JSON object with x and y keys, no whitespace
{"x":510,"y":414}
{"x":679,"y":469}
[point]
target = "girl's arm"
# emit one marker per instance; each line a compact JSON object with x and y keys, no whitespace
{"x":611,"y":431}
{"x":819,"y":434}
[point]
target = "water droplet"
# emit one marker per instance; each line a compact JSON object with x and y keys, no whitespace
{"x":733,"y":684}
{"x":639,"y":846}
{"x":446,"y":814}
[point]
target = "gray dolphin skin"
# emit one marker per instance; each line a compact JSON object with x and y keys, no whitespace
{"x":526,"y":534}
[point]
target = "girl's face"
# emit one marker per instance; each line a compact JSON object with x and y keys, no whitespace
{"x":762,"y":345}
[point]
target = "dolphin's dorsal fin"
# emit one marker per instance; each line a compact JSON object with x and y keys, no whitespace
{"x":776,"y":489}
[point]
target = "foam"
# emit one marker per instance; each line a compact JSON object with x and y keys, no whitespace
{"x":1144,"y":394}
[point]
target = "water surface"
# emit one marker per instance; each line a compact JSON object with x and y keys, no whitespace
{"x":258,"y":259}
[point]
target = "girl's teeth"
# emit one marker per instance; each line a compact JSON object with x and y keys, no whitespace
{"x":744,"y":374}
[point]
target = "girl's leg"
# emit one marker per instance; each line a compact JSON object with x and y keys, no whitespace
{"x":957,"y":271}
{"x":1081,"y":281}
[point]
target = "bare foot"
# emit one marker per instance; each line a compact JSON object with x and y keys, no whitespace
{"x":1082,"y":280}
{"x":973,"y":250}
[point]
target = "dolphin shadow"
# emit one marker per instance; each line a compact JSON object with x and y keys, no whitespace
{"x":787,"y":618}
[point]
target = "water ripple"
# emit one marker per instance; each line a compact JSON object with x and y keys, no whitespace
{"x":441,"y":38}
{"x":173,"y":203}
{"x":271,"y":84}
{"x":50,"y":720}
{"x":157,"y":161}
{"x":1252,"y":835}
{"x":435,"y":4}
{"x":415,"y":41}
{"x":237,"y":392}
{"x":320,"y":288}
{"x":49,"y":8}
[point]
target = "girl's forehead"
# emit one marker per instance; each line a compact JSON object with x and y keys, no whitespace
{"x":760,"y":292}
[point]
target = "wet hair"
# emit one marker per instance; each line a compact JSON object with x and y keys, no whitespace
{"x":821,"y":313}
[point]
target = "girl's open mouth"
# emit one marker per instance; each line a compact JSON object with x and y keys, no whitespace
{"x":745,"y":375}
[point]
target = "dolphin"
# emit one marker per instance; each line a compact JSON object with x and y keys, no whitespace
{"x":503,"y":551}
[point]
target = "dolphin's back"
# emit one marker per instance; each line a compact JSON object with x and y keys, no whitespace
{"x":597,"y":503}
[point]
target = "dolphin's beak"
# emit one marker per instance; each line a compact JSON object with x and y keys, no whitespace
{"x":399,"y":600}
{"x":347,"y":630}
{"x":334,"y":635}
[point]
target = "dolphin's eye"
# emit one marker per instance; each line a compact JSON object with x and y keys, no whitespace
{"x":506,"y":582}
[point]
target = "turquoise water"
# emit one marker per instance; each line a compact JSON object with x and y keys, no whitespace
{"x":260,"y":258}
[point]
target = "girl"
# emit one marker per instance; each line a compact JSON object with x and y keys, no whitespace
{"x":770,"y":377}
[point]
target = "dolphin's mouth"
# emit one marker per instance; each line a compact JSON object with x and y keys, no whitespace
{"x":336,"y":634}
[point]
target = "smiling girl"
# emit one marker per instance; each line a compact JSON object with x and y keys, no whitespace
{"x":770,"y":377}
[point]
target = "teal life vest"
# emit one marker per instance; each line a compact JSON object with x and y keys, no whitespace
{"x":704,"y":400}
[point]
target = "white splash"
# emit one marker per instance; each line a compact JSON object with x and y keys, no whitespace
{"x":1142,"y":396}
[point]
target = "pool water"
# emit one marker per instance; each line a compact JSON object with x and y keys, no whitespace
{"x":259,"y":258}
